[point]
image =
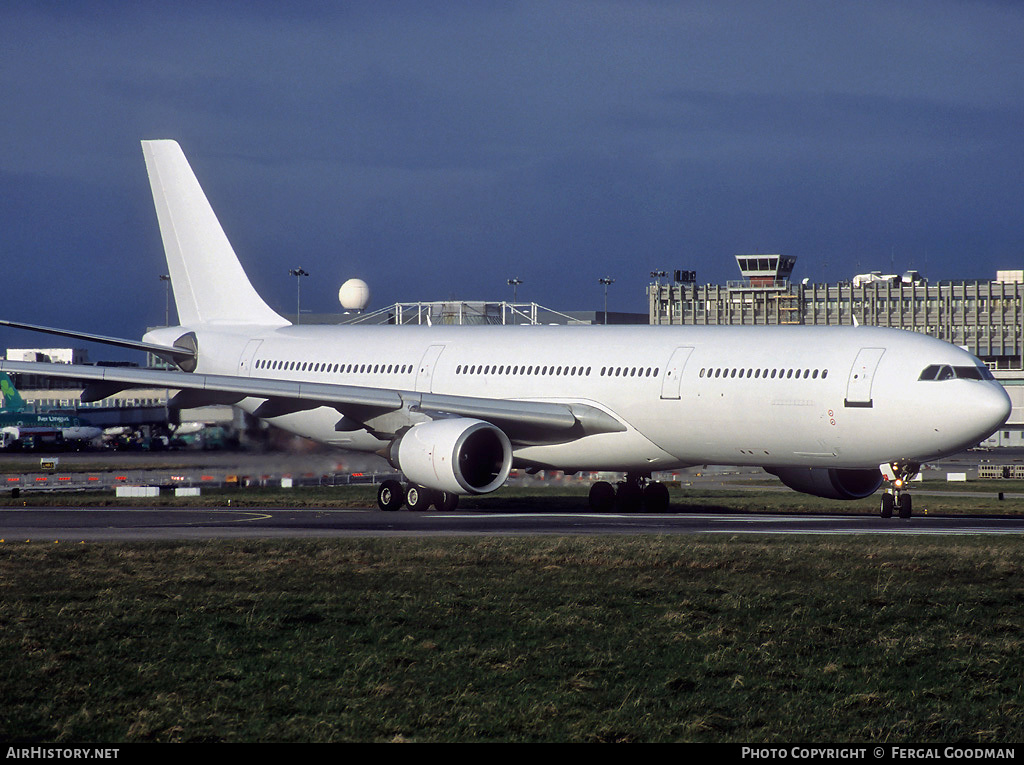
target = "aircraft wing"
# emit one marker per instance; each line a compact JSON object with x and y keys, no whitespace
{"x":382,"y":410}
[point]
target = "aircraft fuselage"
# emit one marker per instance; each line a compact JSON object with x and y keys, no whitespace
{"x":844,"y":397}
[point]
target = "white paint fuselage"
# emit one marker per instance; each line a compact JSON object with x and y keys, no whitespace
{"x":845,"y":397}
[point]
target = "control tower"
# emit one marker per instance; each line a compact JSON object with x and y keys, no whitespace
{"x":765,"y":271}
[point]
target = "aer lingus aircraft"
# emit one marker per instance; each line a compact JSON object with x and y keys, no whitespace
{"x":831,"y":411}
{"x":20,"y":427}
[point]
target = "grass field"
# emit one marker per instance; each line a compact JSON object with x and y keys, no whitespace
{"x":766,"y":496}
{"x":515,"y":639}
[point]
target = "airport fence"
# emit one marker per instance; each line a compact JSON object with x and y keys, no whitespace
{"x":1010,"y":472}
{"x":99,"y":481}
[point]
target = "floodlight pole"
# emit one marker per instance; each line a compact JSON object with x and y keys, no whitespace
{"x":167,"y":298}
{"x":298,"y":272}
{"x":606,"y":281}
{"x":657,"y":276}
{"x":514,"y":284}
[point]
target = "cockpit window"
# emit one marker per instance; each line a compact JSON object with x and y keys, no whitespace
{"x":947,"y":372}
{"x":937,"y":372}
{"x":973,"y":373}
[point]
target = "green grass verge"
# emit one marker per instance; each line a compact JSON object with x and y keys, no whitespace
{"x":947,"y":499}
{"x":514,"y":639}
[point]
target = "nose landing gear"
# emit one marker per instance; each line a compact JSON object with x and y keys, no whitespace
{"x":896,"y":499}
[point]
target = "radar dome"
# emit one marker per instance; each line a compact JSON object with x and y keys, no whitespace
{"x":354,"y":295}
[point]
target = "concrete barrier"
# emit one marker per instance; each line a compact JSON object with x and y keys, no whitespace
{"x":137,"y":491}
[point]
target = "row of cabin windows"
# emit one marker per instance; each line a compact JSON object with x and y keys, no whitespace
{"x":629,"y":371}
{"x":502,"y":369}
{"x":461,"y":369}
{"x":320,"y":366}
{"x":765,"y":374}
{"x":515,"y":369}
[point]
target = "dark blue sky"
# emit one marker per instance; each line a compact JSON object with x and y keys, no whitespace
{"x":437,"y":149}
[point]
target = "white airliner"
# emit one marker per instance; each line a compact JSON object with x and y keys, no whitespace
{"x":828,"y":410}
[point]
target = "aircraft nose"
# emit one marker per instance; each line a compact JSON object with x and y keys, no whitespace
{"x":990,"y":409}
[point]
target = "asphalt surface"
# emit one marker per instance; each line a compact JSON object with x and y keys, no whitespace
{"x":55,"y":524}
{"x":75,"y":525}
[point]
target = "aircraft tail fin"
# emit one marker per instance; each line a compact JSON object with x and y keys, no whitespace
{"x":208,"y":281}
{"x":12,"y":400}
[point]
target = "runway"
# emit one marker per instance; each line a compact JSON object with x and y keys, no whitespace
{"x":74,"y":525}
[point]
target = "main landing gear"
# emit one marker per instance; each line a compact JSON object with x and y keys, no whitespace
{"x":638,"y":492}
{"x":392,"y":495}
{"x":896,"y":499}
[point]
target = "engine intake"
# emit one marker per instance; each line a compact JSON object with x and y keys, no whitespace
{"x":830,"y":483}
{"x":459,"y":455}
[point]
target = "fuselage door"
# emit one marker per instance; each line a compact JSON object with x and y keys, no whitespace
{"x":245,"y":360}
{"x":862,"y":375}
{"x":425,"y":372}
{"x":672,"y":380}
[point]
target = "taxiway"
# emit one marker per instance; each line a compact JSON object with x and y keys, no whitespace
{"x":74,"y":525}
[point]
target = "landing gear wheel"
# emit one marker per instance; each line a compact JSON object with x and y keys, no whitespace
{"x":897,"y":498}
{"x":887,"y":505}
{"x":656,"y":498}
{"x":417,"y":498}
{"x":445,"y":501}
{"x":630,"y":497}
{"x":390,"y":496}
{"x":602,"y":497}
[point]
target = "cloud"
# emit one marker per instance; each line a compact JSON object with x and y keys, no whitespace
{"x":438,"y":151}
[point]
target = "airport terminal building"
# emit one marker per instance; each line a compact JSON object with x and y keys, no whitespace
{"x":984,"y":317}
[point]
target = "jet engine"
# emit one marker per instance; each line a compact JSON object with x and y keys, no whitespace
{"x":830,"y":483}
{"x":458,"y":455}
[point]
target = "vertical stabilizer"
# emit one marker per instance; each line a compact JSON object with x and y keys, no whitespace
{"x":208,"y":281}
{"x":12,"y":400}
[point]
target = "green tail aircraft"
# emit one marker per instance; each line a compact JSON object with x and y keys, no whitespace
{"x":19,"y":427}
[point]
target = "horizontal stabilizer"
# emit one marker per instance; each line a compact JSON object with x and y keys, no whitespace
{"x":168,"y":353}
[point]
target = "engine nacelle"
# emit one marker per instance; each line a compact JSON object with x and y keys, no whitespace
{"x":830,"y":483}
{"x":460,"y":455}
